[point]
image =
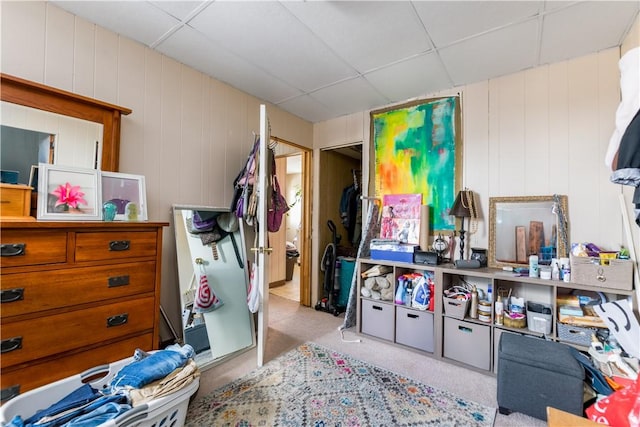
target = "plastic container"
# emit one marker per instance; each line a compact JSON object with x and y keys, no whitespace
{"x":170,"y":410}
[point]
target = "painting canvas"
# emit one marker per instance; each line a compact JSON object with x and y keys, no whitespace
{"x":401,"y":217}
{"x":417,"y":151}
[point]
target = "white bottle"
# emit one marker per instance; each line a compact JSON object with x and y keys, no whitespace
{"x":533,"y":266}
{"x":499,"y":309}
{"x":555,"y":273}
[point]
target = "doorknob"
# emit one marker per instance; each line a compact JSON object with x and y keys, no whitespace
{"x":262,"y":250}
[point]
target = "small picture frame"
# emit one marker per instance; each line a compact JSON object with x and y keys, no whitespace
{"x":33,"y":177}
{"x":68,"y":193}
{"x":128,"y":192}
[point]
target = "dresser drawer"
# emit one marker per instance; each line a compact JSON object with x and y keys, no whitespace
{"x":26,"y":378}
{"x":115,"y":245}
{"x":20,"y":248}
{"x":33,"y":292}
{"x":36,"y":338}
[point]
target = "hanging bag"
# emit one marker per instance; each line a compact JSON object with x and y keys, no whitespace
{"x":278,"y":205}
{"x":205,"y":299}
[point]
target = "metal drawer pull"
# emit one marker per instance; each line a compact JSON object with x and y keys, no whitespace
{"x":376,"y":307}
{"x":13,"y":249}
{"x":465,"y":329}
{"x":11,"y":295}
{"x":119,"y":245}
{"x":9,"y":392}
{"x":412,"y":316}
{"x":10,"y":344}
{"x":117,"y":320}
{"x":118,"y":281}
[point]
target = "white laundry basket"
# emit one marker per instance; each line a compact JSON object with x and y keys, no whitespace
{"x":167,"y":411}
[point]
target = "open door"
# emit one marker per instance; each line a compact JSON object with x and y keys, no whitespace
{"x":263,"y":250}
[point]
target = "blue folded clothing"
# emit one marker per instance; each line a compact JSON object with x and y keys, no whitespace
{"x":153,"y":367}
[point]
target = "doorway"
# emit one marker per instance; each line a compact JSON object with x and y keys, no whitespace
{"x":340,"y":170}
{"x":294,"y":175}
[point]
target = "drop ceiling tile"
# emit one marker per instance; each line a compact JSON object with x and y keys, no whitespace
{"x":349,"y":96}
{"x":416,"y":76}
{"x":367,"y":34}
{"x":137,"y":20}
{"x":193,"y":49}
{"x":180,"y":9}
{"x":269,"y":36}
{"x":450,"y":21}
{"x":585,"y":28}
{"x":494,"y":54}
{"x":307,"y":108}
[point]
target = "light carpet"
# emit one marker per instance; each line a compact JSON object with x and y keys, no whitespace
{"x":315,"y":386}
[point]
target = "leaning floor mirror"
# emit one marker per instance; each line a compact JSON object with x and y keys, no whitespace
{"x":213,"y":280}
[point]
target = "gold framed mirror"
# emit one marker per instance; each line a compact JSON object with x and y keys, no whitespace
{"x":520,"y":226}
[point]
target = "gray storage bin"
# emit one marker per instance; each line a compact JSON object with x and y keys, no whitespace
{"x":377,"y":319}
{"x":414,"y":328}
{"x":467,"y":342}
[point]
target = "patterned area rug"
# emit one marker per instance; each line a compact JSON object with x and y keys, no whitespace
{"x":315,"y":386}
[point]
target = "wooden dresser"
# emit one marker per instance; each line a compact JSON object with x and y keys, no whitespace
{"x":75,"y":295}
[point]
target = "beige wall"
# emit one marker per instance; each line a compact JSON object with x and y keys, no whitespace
{"x":537,"y":132}
{"x":188,"y":134}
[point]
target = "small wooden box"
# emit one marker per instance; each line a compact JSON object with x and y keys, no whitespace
{"x":15,"y":202}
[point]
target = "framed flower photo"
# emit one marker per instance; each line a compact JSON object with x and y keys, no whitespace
{"x":127,"y":192}
{"x":68,"y":193}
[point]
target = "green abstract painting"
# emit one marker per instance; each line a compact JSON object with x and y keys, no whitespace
{"x":417,"y":151}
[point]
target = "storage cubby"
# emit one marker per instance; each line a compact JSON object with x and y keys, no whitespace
{"x":448,"y":332}
{"x":396,"y":319}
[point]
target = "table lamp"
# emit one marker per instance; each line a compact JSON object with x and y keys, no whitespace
{"x":461,"y":209}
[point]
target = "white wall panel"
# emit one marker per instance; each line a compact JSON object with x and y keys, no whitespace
{"x":131,"y":91}
{"x":150,"y":119}
{"x":584,"y":158}
{"x":23,"y":39}
{"x":559,"y":128}
{"x":84,"y":53}
{"x":475,"y":154}
{"x":536,"y":131}
{"x":190,"y":160}
{"x":59,"y":52}
{"x":171,"y":144}
{"x":106,"y":71}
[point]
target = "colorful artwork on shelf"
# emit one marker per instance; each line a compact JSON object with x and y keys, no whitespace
{"x":401,"y":217}
{"x":417,"y":151}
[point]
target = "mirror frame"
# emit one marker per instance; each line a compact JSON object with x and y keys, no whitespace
{"x":524,"y":217}
{"x":35,"y":95}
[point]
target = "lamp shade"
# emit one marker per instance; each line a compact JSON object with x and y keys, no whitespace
{"x":461,"y":206}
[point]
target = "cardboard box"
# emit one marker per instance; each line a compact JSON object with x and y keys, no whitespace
{"x":588,"y":271}
{"x":392,"y":252}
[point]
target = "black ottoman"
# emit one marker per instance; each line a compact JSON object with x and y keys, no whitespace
{"x":534,"y":373}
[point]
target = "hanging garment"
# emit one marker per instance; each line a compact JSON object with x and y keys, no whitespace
{"x":623,"y":153}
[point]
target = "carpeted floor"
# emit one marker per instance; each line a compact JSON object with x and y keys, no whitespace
{"x":291,"y":325}
{"x":315,"y":386}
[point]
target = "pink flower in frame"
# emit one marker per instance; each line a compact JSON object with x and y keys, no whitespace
{"x":69,"y":195}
